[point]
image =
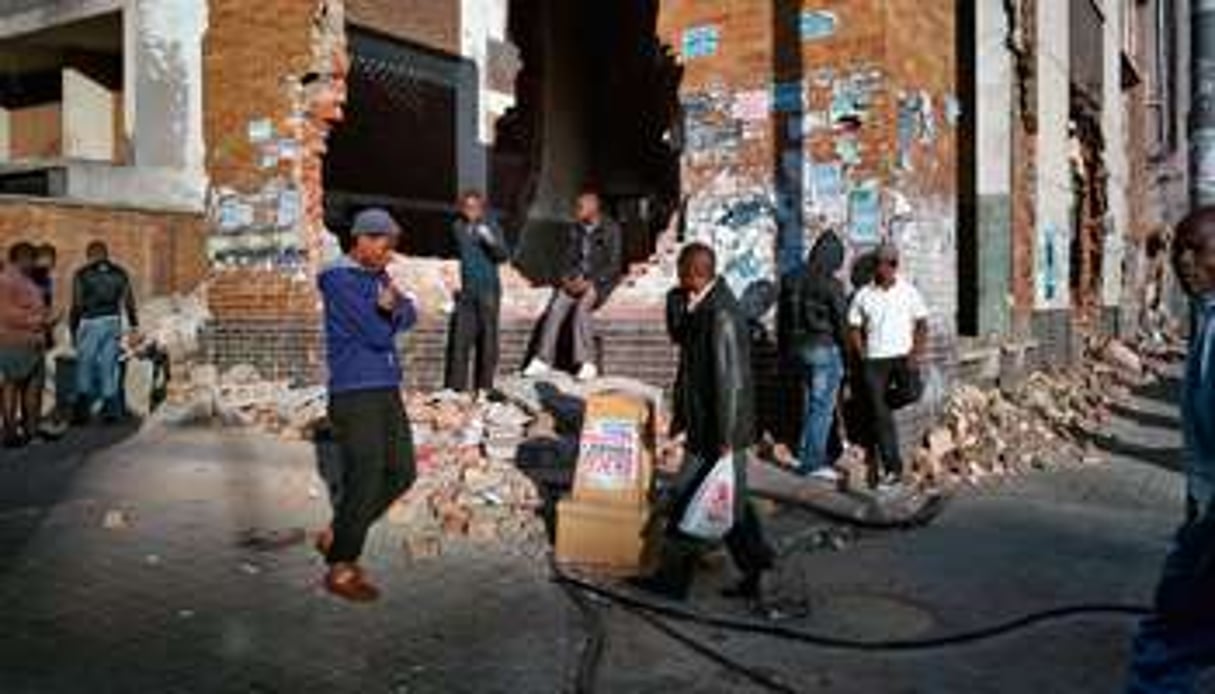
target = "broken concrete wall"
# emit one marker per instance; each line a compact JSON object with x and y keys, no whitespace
{"x":1053,"y":193}
{"x":164,"y":97}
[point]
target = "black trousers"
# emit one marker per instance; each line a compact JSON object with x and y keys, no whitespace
{"x":745,"y":542}
{"x":888,"y":385}
{"x":377,"y":465}
{"x":474,"y":327}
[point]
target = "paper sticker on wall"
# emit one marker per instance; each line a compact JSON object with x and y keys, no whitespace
{"x":289,"y":207}
{"x":865,"y":213}
{"x":752,"y":105}
{"x":848,"y":149}
{"x":825,"y":181}
{"x":700,"y":41}
{"x":817,"y":24}
{"x":260,"y":130}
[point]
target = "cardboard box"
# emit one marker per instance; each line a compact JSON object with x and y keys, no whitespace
{"x":616,"y":452}
{"x":605,"y":538}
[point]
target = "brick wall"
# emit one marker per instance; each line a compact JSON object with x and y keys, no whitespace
{"x":902,"y":141}
{"x":433,"y":23}
{"x":249,"y":51}
{"x":254,"y":55}
{"x":163,"y":251}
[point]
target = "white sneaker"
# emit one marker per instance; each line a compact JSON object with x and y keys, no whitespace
{"x":826,"y":474}
{"x":537,"y":368}
{"x":588,"y":372}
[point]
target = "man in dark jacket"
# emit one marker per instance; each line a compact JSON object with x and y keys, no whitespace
{"x":364,"y":313}
{"x":101,"y":294}
{"x":817,"y":318}
{"x":482,"y":249}
{"x":714,"y":408}
{"x":1176,"y":644}
{"x":590,"y":271}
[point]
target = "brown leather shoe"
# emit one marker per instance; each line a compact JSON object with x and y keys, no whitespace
{"x":347,"y":582}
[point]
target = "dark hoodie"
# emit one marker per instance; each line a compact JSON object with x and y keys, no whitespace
{"x":818,"y":305}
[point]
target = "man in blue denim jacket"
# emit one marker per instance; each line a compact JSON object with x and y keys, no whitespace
{"x":364,"y":313}
{"x":1177,"y":642}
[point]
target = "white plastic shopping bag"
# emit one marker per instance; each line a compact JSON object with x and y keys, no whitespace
{"x":710,"y":514}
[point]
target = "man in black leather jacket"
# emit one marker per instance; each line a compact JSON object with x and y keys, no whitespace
{"x":714,"y":406}
{"x":591,"y":268}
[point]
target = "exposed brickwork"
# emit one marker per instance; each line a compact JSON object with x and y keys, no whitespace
{"x":163,"y":251}
{"x":250,"y":50}
{"x":879,"y":45}
{"x":433,"y":23}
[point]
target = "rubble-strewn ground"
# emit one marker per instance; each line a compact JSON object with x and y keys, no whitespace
{"x":172,"y":562}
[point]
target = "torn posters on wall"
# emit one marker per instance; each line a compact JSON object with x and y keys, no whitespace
{"x":259,"y":229}
{"x":916,"y":125}
{"x":815,"y":25}
{"x":752,"y":106}
{"x":700,"y":41}
{"x":709,"y":124}
{"x":865,"y":213}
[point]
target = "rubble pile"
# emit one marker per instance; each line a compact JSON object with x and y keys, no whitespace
{"x":1048,"y":421}
{"x":174,"y":323}
{"x":468,"y":486}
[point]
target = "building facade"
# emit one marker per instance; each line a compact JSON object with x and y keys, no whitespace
{"x":1022,"y":153}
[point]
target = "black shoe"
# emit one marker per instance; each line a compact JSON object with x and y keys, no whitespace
{"x":81,"y":416}
{"x":656,"y":586}
{"x":747,"y":589}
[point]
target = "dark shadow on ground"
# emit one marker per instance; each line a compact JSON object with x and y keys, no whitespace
{"x":1167,"y":390}
{"x":36,"y":478}
{"x":1148,"y":419}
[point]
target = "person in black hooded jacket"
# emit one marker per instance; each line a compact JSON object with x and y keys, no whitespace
{"x":816,"y":313}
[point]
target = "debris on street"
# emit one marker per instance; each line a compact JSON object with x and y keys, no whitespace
{"x":1048,"y":421}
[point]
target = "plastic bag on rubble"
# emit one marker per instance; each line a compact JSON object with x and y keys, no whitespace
{"x":710,"y":514}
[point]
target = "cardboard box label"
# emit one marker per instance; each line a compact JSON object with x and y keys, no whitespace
{"x":609,"y":456}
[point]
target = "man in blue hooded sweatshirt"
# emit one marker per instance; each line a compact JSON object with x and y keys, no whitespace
{"x":1177,"y":642}
{"x":364,"y":313}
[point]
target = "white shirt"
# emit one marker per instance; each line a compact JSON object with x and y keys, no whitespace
{"x":888,"y":318}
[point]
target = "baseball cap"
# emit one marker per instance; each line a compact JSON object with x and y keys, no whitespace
{"x":374,"y":222}
{"x":887,"y":251}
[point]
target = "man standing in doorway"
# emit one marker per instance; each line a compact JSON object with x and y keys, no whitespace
{"x":591,"y":268}
{"x":101,"y":293}
{"x":888,"y":323}
{"x":1175,"y":644}
{"x":482,"y":249}
{"x":714,"y":408}
{"x":364,"y":312}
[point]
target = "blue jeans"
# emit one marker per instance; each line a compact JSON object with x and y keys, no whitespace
{"x":98,"y":347}
{"x":824,"y":371}
{"x":1175,"y":645}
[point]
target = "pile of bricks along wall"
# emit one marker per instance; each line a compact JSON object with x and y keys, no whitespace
{"x":849,"y":122}
{"x":275,"y":86}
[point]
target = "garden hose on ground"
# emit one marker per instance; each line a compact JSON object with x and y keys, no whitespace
{"x":753,"y":626}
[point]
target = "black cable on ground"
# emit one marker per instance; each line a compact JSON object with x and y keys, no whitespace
{"x":763,"y":679}
{"x":592,"y":649}
{"x":688,"y":614}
